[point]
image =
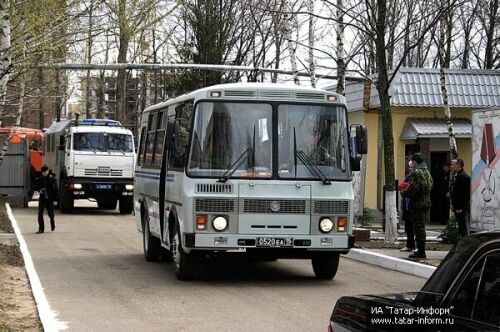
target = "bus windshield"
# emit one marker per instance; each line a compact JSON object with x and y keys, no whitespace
{"x":230,"y":135}
{"x":102,"y":142}
{"x":235,"y":139}
{"x":312,"y":141}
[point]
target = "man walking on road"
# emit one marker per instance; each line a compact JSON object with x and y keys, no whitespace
{"x":47,"y":187}
{"x":419,"y":192}
{"x":460,"y":196}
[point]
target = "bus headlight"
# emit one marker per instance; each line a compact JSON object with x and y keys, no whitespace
{"x":326,"y":225}
{"x":77,"y":186}
{"x":219,"y":223}
{"x":129,"y":187}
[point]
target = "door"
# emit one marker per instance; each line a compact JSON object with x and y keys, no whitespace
{"x":440,"y":203}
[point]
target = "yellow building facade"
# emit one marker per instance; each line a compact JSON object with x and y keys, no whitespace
{"x":418,"y":122}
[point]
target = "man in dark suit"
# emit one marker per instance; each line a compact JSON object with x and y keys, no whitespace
{"x":460,"y":196}
{"x":47,"y":187}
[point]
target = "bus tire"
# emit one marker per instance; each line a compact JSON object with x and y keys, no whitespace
{"x":325,"y":265}
{"x":126,"y":205}
{"x":66,"y":201}
{"x":185,"y":265}
{"x":150,"y":244}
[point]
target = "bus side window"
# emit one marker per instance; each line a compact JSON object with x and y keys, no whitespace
{"x":159,"y":141}
{"x":150,"y":141}
{"x":140,"y":153}
{"x":180,"y":126}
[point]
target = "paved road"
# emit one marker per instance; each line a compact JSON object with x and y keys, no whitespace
{"x":96,"y":278}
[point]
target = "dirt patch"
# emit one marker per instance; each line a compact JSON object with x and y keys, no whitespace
{"x":17,"y":306}
{"x":429,"y":246}
{"x":5,"y":225}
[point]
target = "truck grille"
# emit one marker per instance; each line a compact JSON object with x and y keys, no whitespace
{"x":103,"y":171}
{"x":215,"y":205}
{"x":331,"y":207}
{"x":264,"y":206}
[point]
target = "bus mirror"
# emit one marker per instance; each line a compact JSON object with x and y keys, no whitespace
{"x":355,"y":164}
{"x":61,"y":147}
{"x":359,"y":136}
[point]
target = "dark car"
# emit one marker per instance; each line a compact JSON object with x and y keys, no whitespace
{"x":463,"y":294}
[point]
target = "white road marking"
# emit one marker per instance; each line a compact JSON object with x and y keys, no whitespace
{"x":47,"y":316}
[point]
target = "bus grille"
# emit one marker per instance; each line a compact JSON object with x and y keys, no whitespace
{"x":215,"y":205}
{"x":309,"y":95}
{"x":264,"y":206}
{"x":331,"y":207}
{"x":202,"y":188}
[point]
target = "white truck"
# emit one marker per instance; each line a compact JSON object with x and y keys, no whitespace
{"x":92,"y":159}
{"x":485,"y":179}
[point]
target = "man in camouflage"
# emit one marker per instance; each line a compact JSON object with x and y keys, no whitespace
{"x":419,"y":191}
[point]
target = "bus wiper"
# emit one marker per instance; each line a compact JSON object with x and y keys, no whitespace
{"x":230,"y":171}
{"x":304,"y":158}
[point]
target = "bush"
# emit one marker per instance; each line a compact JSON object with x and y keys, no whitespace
{"x":450,"y":233}
{"x":369,"y":216}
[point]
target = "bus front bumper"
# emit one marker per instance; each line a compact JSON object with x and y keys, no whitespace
{"x":211,"y":241}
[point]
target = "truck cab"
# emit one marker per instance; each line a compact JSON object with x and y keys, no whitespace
{"x":92,"y":159}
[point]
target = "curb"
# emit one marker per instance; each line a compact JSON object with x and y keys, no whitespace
{"x":391,"y":263}
{"x":8,"y":239}
{"x":47,"y":316}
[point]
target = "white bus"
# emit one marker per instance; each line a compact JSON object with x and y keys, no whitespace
{"x":92,"y":159}
{"x":264,"y":169}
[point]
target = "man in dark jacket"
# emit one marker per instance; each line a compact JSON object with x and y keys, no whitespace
{"x":419,"y":191}
{"x":47,"y":187}
{"x":460,"y":196}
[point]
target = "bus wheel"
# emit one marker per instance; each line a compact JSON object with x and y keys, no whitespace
{"x":325,"y":265}
{"x":185,"y":265}
{"x":66,"y":201}
{"x":150,"y":244}
{"x":126,"y":205}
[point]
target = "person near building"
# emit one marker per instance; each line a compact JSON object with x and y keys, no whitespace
{"x":47,"y":187}
{"x":445,"y":194}
{"x":406,"y":207}
{"x":419,"y":192}
{"x":460,"y":196}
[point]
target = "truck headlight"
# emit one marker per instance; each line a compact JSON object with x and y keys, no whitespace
{"x":129,"y":187}
{"x":77,"y":186}
{"x":326,"y":225}
{"x":219,"y":223}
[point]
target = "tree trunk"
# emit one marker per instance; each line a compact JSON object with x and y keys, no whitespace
{"x":490,"y":35}
{"x":312,"y":67}
{"x":121,"y":79}
{"x":5,"y":61}
{"x":385,"y":103}
{"x":89,"y":60}
{"x":444,"y":93}
{"x":292,"y":46}
{"x":340,"y":49}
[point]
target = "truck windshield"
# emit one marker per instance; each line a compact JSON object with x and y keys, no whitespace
{"x":104,"y":142}
{"x":223,"y":131}
{"x":317,"y":132}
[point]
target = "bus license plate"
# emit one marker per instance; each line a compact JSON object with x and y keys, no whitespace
{"x":274,"y":242}
{"x":103,"y":186}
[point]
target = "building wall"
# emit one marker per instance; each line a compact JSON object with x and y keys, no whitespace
{"x":399,"y":116}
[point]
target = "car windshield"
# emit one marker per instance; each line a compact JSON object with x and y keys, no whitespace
{"x":232,"y":136}
{"x":104,"y":142}
{"x":314,"y":135}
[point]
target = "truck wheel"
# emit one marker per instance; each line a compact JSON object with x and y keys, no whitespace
{"x":150,"y":244}
{"x":66,"y":201}
{"x":185,"y":265}
{"x":126,"y":205}
{"x":108,"y":204}
{"x":325,"y":265}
